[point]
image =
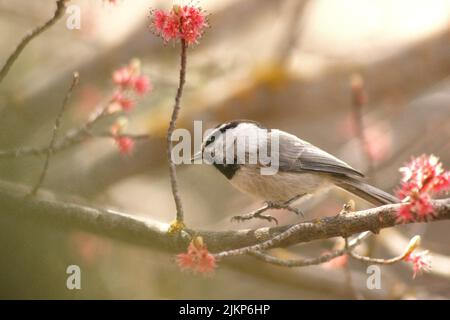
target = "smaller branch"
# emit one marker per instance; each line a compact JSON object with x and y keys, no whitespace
{"x":73,"y":137}
{"x":395,"y":242}
{"x":78,"y":135}
{"x":413,"y":243}
{"x":292,"y":263}
{"x":55,"y":132}
{"x":261,"y":246}
{"x":59,"y":12}
{"x":375,"y":260}
{"x":98,"y":114}
{"x":175,"y":112}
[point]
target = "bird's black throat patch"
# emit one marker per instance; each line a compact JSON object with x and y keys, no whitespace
{"x":228,"y":170}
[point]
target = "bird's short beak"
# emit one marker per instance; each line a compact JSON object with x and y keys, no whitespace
{"x":197,"y":156}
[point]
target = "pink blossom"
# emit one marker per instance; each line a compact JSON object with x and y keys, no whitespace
{"x":159,"y":20}
{"x":192,"y":23}
{"x":142,"y":85}
{"x":123,"y":76}
{"x":197,"y":258}
{"x":166,"y":25}
{"x":125,"y":144}
{"x":181,"y":22}
{"x":422,"y":177}
{"x":129,"y":77}
{"x":125,"y":103}
{"x":421,"y":262}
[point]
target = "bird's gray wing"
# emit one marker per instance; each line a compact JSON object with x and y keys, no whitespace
{"x":296,"y":155}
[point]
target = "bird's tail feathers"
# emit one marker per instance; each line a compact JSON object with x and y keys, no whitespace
{"x":366,"y":191}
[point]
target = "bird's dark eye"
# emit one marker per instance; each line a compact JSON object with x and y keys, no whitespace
{"x":209,"y":141}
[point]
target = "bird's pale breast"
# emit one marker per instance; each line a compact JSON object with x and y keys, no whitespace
{"x":279,"y":187}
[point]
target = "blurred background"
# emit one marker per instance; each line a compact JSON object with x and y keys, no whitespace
{"x":287,"y":64}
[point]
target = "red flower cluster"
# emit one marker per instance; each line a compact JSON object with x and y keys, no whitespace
{"x":197,"y":257}
{"x":129,"y":77}
{"x":421,"y":262}
{"x":125,"y":103}
{"x":125,"y":144}
{"x":422,"y":177}
{"x":181,"y":22}
{"x":128,"y":80}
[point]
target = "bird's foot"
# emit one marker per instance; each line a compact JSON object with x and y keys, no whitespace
{"x":286,"y":206}
{"x":254,"y":215}
{"x":258,"y":214}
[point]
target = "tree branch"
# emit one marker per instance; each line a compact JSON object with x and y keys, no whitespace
{"x":154,"y":234}
{"x":60,"y":9}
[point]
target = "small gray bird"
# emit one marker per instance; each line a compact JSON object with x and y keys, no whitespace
{"x":302,"y":168}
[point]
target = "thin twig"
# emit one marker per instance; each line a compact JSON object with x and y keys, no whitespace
{"x":55,"y":132}
{"x":376,"y":260}
{"x":72,"y":137}
{"x":271,"y":243}
{"x":175,"y":112}
{"x":59,"y":12}
{"x":412,"y":245}
{"x":97,"y":115}
{"x":292,"y":263}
